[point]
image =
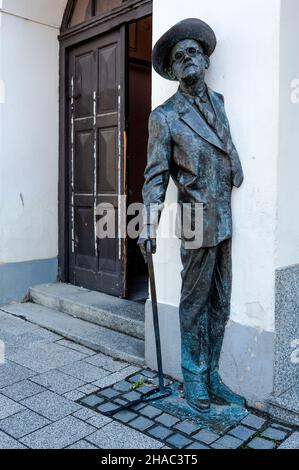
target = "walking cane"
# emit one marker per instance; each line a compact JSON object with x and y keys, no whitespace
{"x":160,"y":392}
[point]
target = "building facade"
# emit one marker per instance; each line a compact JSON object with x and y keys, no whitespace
{"x":76,"y":81}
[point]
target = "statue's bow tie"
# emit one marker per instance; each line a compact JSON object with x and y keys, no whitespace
{"x":201,"y":99}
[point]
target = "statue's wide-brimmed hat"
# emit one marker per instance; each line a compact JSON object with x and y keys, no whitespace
{"x":191,"y":28}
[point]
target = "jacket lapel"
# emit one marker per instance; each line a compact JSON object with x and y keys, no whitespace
{"x":197,"y":123}
{"x":217,"y":105}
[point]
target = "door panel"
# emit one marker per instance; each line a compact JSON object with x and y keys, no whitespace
{"x":107,"y":170}
{"x":107,"y":73}
{"x":96,"y":162}
{"x":84,"y":162}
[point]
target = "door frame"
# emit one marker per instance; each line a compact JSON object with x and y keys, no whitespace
{"x":131,"y":10}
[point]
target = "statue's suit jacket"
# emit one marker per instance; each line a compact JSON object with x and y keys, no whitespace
{"x":183,"y":146}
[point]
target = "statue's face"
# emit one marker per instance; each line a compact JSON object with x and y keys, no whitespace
{"x":188,"y":61}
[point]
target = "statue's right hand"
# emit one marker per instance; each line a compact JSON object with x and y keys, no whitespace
{"x":143,"y":244}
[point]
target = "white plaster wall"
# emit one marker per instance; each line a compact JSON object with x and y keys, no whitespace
{"x":29,"y":144}
{"x":245,"y":68}
{"x":49,"y":12}
{"x":288,"y":164}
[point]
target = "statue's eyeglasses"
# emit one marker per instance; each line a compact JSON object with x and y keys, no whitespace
{"x":190,"y":51}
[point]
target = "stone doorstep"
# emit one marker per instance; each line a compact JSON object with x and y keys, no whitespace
{"x":110,"y":312}
{"x":95,"y":337}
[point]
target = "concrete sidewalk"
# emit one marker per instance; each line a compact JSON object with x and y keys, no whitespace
{"x":44,"y":377}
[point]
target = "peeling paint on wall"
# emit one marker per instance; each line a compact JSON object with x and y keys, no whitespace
{"x":72,"y":164}
{"x":95,"y":171}
{"x":119,"y":171}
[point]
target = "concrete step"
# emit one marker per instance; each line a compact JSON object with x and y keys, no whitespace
{"x":111,"y":312}
{"x":95,"y":337}
{"x":285,"y":407}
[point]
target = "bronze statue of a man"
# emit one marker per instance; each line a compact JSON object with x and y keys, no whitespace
{"x":190,"y":140}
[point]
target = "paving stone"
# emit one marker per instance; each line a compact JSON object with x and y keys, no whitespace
{"x":120,"y":402}
{"x":84,"y":371}
{"x":291,"y":443}
{"x":57,"y":381}
{"x":109,"y":393}
{"x":98,"y":421}
{"x":123,"y":386}
{"x":59,"y":435}
{"x":160,"y":432}
{"x":227,"y":442}
{"x":43,"y":334}
{"x":7,"y":442}
{"x":43,"y":357}
{"x":138,"y":407}
{"x":23,"y":423}
{"x":125,"y":416}
{"x":116,"y":377}
{"x":167,"y":420}
{"x":142,"y":424}
{"x":92,"y":400}
{"x":178,"y":441}
{"x":259,"y":443}
{"x":106,"y":407}
{"x":188,"y":427}
{"x":50,"y":405}
{"x":22,"y":390}
{"x":197,"y":446}
{"x":145,"y":389}
{"x":88,"y":389}
{"x":150,"y":411}
{"x":106,"y":362}
{"x":242,"y":433}
{"x":47,"y":335}
{"x":274,"y":434}
{"x":131,"y":396}
{"x":149,"y":374}
{"x":253,"y":421}
{"x":76,"y":347}
{"x":12,"y":325}
{"x":281,"y":426}
{"x":136,"y":378}
{"x":85,"y":414}
{"x":207,"y":437}
{"x":75,"y":395}
{"x":18,"y":339}
{"x":12,"y":373}
{"x":8,"y":407}
{"x":82,"y":445}
{"x":118,"y":436}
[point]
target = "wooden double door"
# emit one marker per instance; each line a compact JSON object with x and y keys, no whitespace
{"x":97,"y":161}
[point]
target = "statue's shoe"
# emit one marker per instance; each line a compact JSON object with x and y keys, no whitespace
{"x":220,"y":392}
{"x":197,"y":396}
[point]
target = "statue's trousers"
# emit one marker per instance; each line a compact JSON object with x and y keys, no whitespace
{"x":204,"y":308}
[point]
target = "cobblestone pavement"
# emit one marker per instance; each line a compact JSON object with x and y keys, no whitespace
{"x":53,"y":394}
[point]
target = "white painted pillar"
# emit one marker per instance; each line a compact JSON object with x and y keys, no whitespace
{"x":29,"y":143}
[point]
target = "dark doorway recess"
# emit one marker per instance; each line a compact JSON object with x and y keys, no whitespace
{"x":105,"y":101}
{"x":139,"y":107}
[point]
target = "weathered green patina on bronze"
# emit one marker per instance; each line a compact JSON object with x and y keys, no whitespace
{"x":190,"y":141}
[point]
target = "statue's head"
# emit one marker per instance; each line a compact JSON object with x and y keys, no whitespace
{"x":184,"y":50}
{"x":188,"y":61}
